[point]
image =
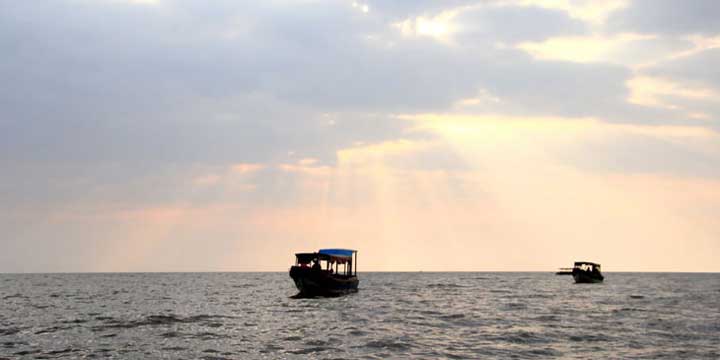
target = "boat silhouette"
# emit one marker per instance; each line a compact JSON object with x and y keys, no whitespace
{"x":327,"y":272}
{"x":583,"y":272}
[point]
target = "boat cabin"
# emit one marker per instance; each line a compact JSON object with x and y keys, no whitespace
{"x":333,"y":261}
{"x":587,"y":266}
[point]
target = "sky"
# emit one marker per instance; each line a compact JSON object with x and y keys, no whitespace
{"x":495,"y":135}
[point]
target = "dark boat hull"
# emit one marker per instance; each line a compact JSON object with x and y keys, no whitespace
{"x":322,"y":283}
{"x":585,"y":277}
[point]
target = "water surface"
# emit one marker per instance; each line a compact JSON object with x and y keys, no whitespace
{"x":395,"y":315}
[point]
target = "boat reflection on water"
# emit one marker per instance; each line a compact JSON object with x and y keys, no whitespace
{"x":328,"y":272}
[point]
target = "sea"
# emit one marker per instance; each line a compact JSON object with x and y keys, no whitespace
{"x":483,"y":315}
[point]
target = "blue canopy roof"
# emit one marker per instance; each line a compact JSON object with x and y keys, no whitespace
{"x":337,"y":252}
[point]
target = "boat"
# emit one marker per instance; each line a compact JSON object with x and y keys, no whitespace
{"x":327,"y":272}
{"x":564,"y":271}
{"x":585,"y":272}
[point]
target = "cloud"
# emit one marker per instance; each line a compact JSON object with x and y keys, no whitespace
{"x":698,"y":68}
{"x":685,"y":155}
{"x":592,"y":12}
{"x":667,"y":17}
{"x":510,"y":24}
{"x":648,"y":91}
{"x":687,"y":83}
{"x":583,"y":143}
{"x":627,"y":49}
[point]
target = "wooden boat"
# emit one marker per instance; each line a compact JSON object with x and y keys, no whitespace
{"x":585,"y":272}
{"x":328,"y":272}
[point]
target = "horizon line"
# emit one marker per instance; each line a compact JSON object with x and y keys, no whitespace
{"x":391,"y":271}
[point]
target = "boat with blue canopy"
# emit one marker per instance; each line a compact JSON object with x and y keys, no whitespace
{"x":327,"y":272}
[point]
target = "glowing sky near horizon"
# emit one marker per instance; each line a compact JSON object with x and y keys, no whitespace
{"x":430,"y":135}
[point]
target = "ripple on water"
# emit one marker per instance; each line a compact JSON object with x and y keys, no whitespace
{"x":52,"y":329}
{"x":158,"y":320}
{"x":312,"y":350}
{"x":628,"y":309}
{"x":515,"y":306}
{"x":445,"y":286}
{"x":387,"y":344}
{"x":173,"y":348}
{"x":590,"y":338}
{"x":547,"y":318}
{"x":501,"y":291}
{"x":9,"y":331}
{"x":522,"y":337}
{"x":27,"y":352}
{"x":14,"y":296}
{"x":63,"y":351}
{"x":12,"y":344}
{"x":293,"y":338}
{"x":206,"y":335}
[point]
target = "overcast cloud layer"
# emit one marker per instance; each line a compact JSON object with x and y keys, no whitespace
{"x":112,"y":112}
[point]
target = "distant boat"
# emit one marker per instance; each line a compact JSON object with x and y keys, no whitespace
{"x":328,"y":272}
{"x":585,"y":272}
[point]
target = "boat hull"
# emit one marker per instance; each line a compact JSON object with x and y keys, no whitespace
{"x":312,"y":283}
{"x":585,"y":277}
